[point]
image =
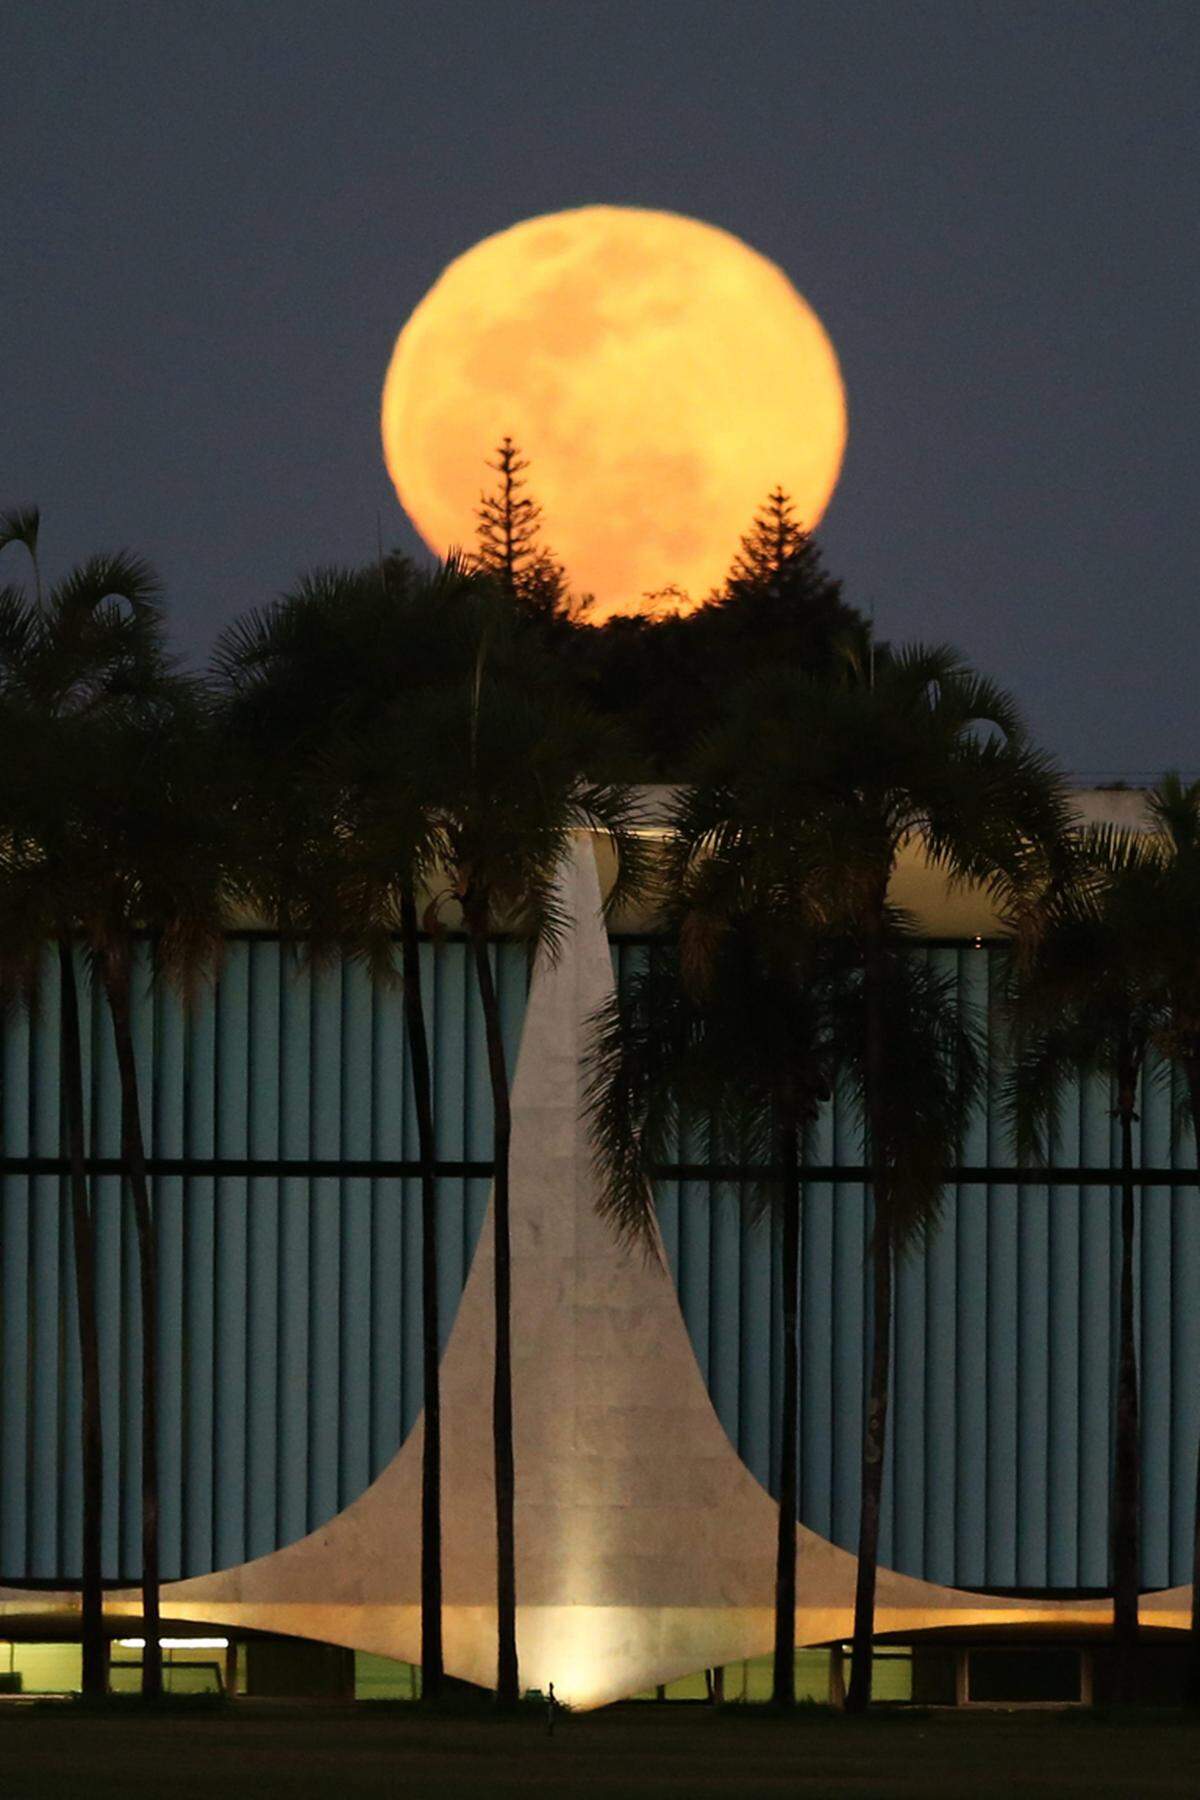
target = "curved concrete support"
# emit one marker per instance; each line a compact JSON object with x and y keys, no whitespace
{"x":645,"y":1548}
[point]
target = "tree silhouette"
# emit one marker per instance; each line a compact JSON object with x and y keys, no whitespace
{"x":509,"y":548}
{"x":740,"y":1049}
{"x":836,"y":776}
{"x":66,"y":660}
{"x":776,"y":554}
{"x":1091,"y":996}
{"x":667,"y":678}
{"x":1174,"y":929}
{"x":322,"y":696}
{"x":514,"y":769}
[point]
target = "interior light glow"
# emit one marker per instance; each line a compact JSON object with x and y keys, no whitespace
{"x":197,"y":1643}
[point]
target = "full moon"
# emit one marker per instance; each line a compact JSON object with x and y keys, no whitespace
{"x":659,"y":376}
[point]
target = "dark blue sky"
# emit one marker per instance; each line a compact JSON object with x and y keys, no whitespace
{"x":218,"y":216}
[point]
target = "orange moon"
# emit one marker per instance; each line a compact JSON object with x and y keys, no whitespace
{"x":659,"y":375}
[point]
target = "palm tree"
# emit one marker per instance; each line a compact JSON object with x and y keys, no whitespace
{"x":132,"y":853}
{"x":1174,"y":807}
{"x":1088,"y":998}
{"x":63,"y":658}
{"x":379,"y":858}
{"x":729,"y":1027}
{"x":744,"y":1049}
{"x":125,"y":845}
{"x":322,"y":694}
{"x":918,"y":1072}
{"x":825,"y":782}
{"x":150,"y":861}
{"x":1168,"y":934}
{"x":764,"y":1002}
{"x":509,"y":770}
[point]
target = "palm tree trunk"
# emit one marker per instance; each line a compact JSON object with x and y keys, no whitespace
{"x":507,"y":1686}
{"x":1192,"y":1690}
{"x":432,"y":1664}
{"x":1126,"y":1523}
{"x":117,"y":988}
{"x":95,"y":1648}
{"x":858,"y":1697}
{"x":783,"y":1684}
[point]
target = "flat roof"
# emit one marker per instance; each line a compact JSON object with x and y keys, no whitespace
{"x":939,"y":910}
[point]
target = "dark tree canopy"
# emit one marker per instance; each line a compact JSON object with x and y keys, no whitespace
{"x":663,"y":678}
{"x":668,"y":677}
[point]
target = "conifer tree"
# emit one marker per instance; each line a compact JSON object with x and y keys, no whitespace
{"x":778,"y":607}
{"x":776,"y":554}
{"x":508,"y":538}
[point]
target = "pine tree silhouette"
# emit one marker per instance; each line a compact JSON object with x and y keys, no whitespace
{"x":776,"y":554}
{"x":508,"y":525}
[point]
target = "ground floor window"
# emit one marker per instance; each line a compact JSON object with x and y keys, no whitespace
{"x":750,"y":1680}
{"x":379,"y":1678}
{"x":40,"y":1668}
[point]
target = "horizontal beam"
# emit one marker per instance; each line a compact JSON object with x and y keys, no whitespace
{"x":960,"y":1175}
{"x":255,"y":1167}
{"x":381,"y":1169}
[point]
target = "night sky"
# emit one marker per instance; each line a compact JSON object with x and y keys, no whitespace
{"x":218,"y":216}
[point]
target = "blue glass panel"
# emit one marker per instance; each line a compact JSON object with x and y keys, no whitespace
{"x":290,"y":1307}
{"x":999,"y":1454}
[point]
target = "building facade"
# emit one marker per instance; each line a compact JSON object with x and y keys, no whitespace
{"x":283,"y":1151}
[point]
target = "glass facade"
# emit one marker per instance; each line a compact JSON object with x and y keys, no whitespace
{"x":999,"y":1443}
{"x":283,"y":1144}
{"x":283,"y":1140}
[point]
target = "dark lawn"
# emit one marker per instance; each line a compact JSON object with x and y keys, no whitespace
{"x":299,"y":1753}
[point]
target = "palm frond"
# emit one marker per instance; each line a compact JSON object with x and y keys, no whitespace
{"x":114,"y":575}
{"x":1174,"y":806}
{"x":19,"y":525}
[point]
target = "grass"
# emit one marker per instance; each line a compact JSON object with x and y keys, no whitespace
{"x":265,"y":1751}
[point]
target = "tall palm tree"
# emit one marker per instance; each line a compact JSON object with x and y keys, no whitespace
{"x":1168,"y":933}
{"x":152,"y":865}
{"x":514,"y":771}
{"x":918,"y":1072}
{"x":1174,"y":807}
{"x":379,"y":859}
{"x":132,"y":852}
{"x":731,"y":1027}
{"x":64,"y":657}
{"x":834,"y":779}
{"x":322,"y":694}
{"x":108,"y":832}
{"x":761,"y":1007}
{"x":743,"y":1050}
{"x":1088,"y":998}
